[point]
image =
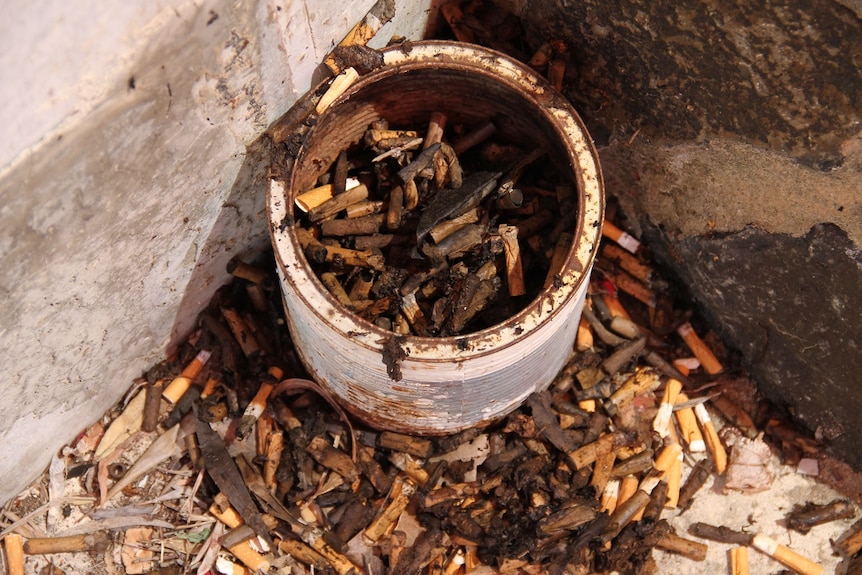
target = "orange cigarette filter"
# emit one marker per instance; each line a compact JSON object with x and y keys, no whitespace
{"x":688,"y":428}
{"x":181,"y":384}
{"x":584,"y":338}
{"x":624,"y":239}
{"x":738,"y":561}
{"x":713,"y":442}
{"x":700,"y":350}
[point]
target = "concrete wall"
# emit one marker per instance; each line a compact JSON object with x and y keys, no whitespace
{"x":126,"y":185}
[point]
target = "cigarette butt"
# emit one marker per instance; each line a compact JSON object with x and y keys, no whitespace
{"x":628,"y":486}
{"x":693,"y":550}
{"x":14,"y":553}
{"x":666,"y":457}
{"x":625,"y":240}
{"x":180,"y":385}
{"x":584,"y":338}
{"x":455,"y":562}
{"x":700,"y":350}
{"x":209,"y":387}
{"x":240,"y":269}
{"x":556,"y":73}
{"x":615,"y":306}
{"x":514,"y":269}
{"x":661,"y":423}
{"x":241,"y":332}
{"x":786,"y":556}
{"x":338,"y":86}
{"x":330,"y":281}
{"x":610,"y":496}
{"x":98,"y":541}
{"x":738,"y":561}
{"x":688,"y":428}
{"x":588,"y":405}
{"x":274,"y":449}
{"x":313,"y":197}
{"x":674,"y":481}
{"x":228,"y":567}
{"x":400,"y":494}
{"x":436,"y":125}
{"x":249,"y":557}
{"x":411,"y":195}
{"x":713,"y":442}
{"x":341,"y":564}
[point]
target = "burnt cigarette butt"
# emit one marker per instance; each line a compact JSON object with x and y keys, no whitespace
{"x":378,"y":135}
{"x":622,"y":238}
{"x":584,"y":338}
{"x":456,"y":243}
{"x":240,"y":269}
{"x":339,"y":562}
{"x":455,"y":563}
{"x":586,"y":454}
{"x":556,"y":73}
{"x":180,"y":384}
{"x":257,"y":405}
{"x":303,"y":553}
{"x":411,"y":468}
{"x":274,"y":449}
{"x":361,"y":226}
{"x":695,"y":480}
{"x":362,"y":285}
{"x":693,"y":550}
{"x":688,"y":428}
{"x":474,"y":137}
{"x":641,"y":381}
{"x":241,"y":332}
{"x":399,"y":496}
{"x":339,"y":85}
{"x":603,"y":466}
{"x":850,"y":542}
{"x":803,"y":517}
{"x":97,"y":542}
{"x":436,"y":126}
{"x":630,"y":509}
{"x":334,"y":205}
{"x":713,"y":442}
{"x":265,"y":426}
{"x":330,"y":281}
{"x":623,"y":354}
{"x":396,"y":204}
{"x":359,"y":35}
{"x":785,"y":555}
{"x":151,"y":406}
{"x":332,"y":458}
{"x":514,"y":269}
{"x":738,"y":560}
{"x":419,"y":163}
{"x":411,"y":195}
{"x":627,"y":284}
{"x":355,"y":258}
{"x":366,"y":208}
{"x":700,"y":350}
{"x":447,"y":227}
{"x":628,"y":262}
{"x":415,"y":446}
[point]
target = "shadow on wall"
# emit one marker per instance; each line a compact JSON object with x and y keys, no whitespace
{"x":242,"y":215}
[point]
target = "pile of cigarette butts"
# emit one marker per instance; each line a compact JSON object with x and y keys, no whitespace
{"x":228,"y":458}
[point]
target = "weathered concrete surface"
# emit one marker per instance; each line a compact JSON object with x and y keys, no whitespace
{"x":731,"y":134}
{"x":126,"y":185}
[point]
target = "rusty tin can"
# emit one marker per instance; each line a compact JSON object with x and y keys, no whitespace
{"x":447,"y":383}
